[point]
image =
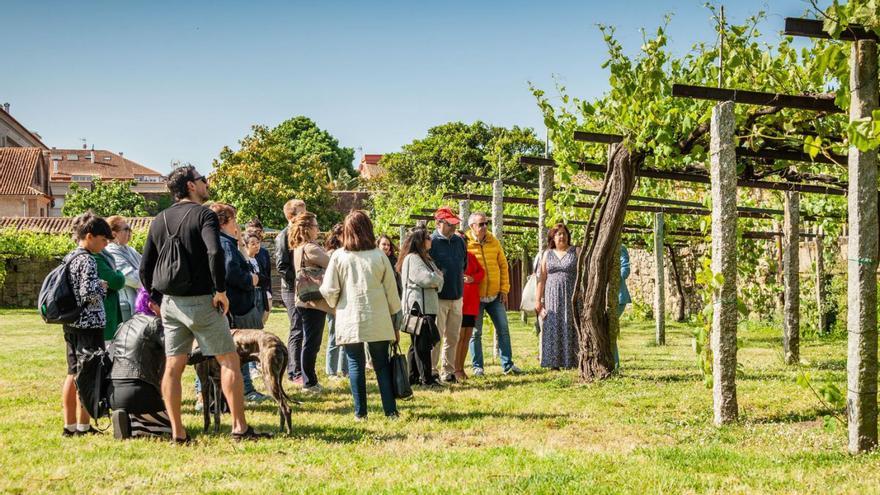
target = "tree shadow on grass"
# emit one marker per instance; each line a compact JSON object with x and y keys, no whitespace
{"x":790,"y":417}
{"x":337,"y":434}
{"x":455,"y":416}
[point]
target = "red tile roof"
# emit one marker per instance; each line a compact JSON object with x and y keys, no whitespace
{"x":59,"y":225}
{"x":4,"y":115}
{"x":371,"y":159}
{"x":107,"y":165}
{"x":18,"y":171}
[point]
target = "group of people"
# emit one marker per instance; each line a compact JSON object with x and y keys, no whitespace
{"x":200,"y":276}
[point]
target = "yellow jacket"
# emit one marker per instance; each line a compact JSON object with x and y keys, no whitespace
{"x":490,"y":254}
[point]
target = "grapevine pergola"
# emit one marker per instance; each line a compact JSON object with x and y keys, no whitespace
{"x":597,"y":284}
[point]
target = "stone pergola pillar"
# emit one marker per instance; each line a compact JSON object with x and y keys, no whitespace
{"x":497,"y":208}
{"x":790,"y":269}
{"x":724,"y":217}
{"x":464,"y":211}
{"x":545,"y":193}
{"x":659,"y":281}
{"x":402,"y":235}
{"x":861,"y":363}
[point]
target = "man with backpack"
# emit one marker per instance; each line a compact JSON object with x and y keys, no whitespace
{"x":86,"y":333}
{"x":184,"y":262}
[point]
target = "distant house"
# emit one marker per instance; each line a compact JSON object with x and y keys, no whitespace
{"x":82,"y":166}
{"x":14,"y":135}
{"x":369,"y":167}
{"x":24,"y":183}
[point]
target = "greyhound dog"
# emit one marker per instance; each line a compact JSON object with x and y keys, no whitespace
{"x":252,"y":346}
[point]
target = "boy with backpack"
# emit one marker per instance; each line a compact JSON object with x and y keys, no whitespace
{"x":86,"y":332}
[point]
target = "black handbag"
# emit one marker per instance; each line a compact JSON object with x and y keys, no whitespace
{"x":400,"y":374}
{"x":414,"y":320}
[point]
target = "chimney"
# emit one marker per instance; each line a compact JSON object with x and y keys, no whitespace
{"x":120,"y":153}
{"x":6,"y":107}
{"x":92,"y":156}
{"x":84,"y":146}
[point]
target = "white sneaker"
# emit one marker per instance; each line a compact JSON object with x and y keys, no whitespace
{"x":479,"y":372}
{"x":314,"y":389}
{"x":513,"y":370}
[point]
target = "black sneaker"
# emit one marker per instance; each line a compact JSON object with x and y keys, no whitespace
{"x":67,"y":433}
{"x":121,"y":425}
{"x":450,"y":379}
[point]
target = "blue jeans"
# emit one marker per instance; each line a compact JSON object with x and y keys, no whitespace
{"x":498,"y":314}
{"x":358,"y":379}
{"x":336,"y":361}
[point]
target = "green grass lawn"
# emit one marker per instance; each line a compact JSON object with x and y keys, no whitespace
{"x":646,"y":431}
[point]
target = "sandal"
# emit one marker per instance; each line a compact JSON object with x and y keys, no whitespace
{"x":250,"y":434}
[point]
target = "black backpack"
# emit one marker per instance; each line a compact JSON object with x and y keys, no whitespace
{"x":56,"y":302}
{"x":93,"y":382}
{"x":171,"y":276}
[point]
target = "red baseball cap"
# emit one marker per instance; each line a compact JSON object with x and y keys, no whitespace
{"x":447,"y":216}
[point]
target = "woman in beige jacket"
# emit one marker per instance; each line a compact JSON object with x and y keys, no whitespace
{"x":309,"y":255}
{"x":360,"y":285}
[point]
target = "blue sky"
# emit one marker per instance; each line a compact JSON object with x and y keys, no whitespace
{"x":165,"y":81}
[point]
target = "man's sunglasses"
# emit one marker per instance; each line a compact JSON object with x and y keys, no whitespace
{"x":201,"y":178}
{"x":482,"y":224}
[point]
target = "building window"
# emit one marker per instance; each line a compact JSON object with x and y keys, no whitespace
{"x":148,"y":178}
{"x":72,"y":157}
{"x":83,"y":178}
{"x":56,"y":157}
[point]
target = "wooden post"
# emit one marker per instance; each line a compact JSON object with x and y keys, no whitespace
{"x":659,"y":281}
{"x":545,"y":193}
{"x":724,"y":316}
{"x":524,"y":278}
{"x":497,"y":208}
{"x":820,"y":281}
{"x":464,"y":211}
{"x":791,"y":265}
{"x":861,"y":363}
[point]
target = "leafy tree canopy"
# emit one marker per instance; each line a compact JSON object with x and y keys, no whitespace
{"x":295,"y":159}
{"x":455,"y":148}
{"x":105,"y":199}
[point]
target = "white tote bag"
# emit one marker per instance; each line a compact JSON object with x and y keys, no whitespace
{"x":529,"y":296}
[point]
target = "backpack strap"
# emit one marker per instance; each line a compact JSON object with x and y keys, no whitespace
{"x":179,"y":226}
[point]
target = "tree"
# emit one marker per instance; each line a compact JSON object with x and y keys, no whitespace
{"x":105,"y":199}
{"x":665,"y":132}
{"x":454,"y":149}
{"x":295,"y":159}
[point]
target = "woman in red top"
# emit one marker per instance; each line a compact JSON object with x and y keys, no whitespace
{"x":473,"y":275}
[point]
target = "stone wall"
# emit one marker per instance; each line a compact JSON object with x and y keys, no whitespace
{"x":24,"y":276}
{"x":641,"y":279}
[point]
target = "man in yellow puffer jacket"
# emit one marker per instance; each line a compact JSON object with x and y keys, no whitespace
{"x":493,"y":293}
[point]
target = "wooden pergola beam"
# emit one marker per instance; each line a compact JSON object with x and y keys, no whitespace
{"x":745,"y":212}
{"x":532,"y":185}
{"x":597,"y":137}
{"x":803,"y":102}
{"x":792,"y":156}
{"x":812,"y":28}
{"x":697,"y":178}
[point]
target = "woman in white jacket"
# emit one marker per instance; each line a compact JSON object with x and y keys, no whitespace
{"x":128,"y":261}
{"x":422,"y":280}
{"x":359,"y":283}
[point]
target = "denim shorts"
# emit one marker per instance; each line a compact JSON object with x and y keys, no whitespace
{"x":188,"y":318}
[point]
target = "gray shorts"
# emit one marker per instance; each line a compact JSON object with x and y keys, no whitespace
{"x":193,"y":317}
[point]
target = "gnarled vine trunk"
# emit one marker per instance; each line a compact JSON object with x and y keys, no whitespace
{"x":594,"y":306}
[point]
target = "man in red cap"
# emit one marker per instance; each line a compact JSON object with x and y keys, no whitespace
{"x":450,"y":254}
